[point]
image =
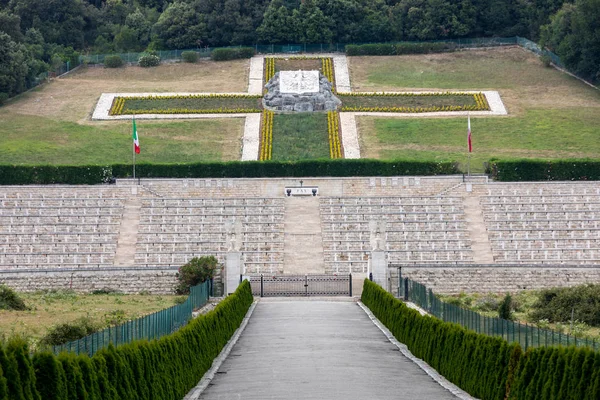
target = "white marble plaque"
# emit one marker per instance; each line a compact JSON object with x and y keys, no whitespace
{"x":299,"y":81}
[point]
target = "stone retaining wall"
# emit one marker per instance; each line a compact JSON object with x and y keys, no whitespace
{"x":496,"y":279}
{"x":125,"y":280}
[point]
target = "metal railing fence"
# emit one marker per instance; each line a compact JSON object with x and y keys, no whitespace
{"x":152,"y":326}
{"x":524,"y":334}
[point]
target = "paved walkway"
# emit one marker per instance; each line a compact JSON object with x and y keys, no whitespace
{"x":318,"y":350}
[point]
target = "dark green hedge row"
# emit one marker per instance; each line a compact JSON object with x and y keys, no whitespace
{"x":571,"y":373}
{"x":488,"y":367}
{"x":22,"y":175}
{"x":481,"y":365}
{"x":544,"y":170}
{"x":231,"y":53}
{"x":159,"y":370}
{"x":393,"y":49}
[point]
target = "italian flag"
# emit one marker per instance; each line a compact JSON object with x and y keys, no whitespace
{"x":136,"y":141}
{"x":468,"y":133}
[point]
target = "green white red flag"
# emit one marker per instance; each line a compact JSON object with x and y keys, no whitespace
{"x":136,"y":140}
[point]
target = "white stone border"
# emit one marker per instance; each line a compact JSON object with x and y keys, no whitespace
{"x":445,"y":383}
{"x":251,"y":139}
{"x":208,"y":376}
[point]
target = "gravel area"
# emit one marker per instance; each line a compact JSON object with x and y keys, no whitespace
{"x":251,"y":140}
{"x":349,"y":135}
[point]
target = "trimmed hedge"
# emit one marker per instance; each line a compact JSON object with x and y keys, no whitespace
{"x":481,"y":365}
{"x":544,"y":170}
{"x":231,"y":53}
{"x":158,"y":370}
{"x":23,"y":175}
{"x":394,"y":49}
{"x":484,"y":366}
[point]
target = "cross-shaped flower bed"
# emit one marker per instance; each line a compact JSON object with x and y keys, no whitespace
{"x":286,"y":136}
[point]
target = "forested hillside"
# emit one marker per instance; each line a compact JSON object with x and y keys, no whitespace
{"x":36,"y":36}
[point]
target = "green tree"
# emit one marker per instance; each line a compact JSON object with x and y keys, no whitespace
{"x":49,"y":376}
{"x":14,"y":66}
{"x":279,"y":25}
{"x":180,"y":26}
{"x":312,"y":23}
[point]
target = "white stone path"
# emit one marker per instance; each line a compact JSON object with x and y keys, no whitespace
{"x":251,"y":140}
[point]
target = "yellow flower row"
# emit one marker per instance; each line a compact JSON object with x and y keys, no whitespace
{"x":411,"y":109}
{"x":266,"y":134}
{"x":384,"y":94}
{"x":327,"y":66}
{"x":117,"y":106}
{"x":192,"y":111}
{"x":269,"y":68}
{"x":333,"y":128}
{"x":481,"y":101}
{"x":194,"y":96}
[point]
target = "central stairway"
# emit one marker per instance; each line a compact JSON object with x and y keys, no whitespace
{"x":303,"y":245}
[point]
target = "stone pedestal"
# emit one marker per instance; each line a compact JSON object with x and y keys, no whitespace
{"x":378,"y":268}
{"x":233,"y":270}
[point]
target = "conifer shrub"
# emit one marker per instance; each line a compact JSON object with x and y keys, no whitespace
{"x":113,"y":61}
{"x":18,"y":350}
{"x":190,"y":56}
{"x":10,"y":300}
{"x":49,"y":376}
{"x":505,"y":308}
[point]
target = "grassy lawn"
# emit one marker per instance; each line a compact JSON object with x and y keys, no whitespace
{"x":51,"y":308}
{"x":300,"y":136}
{"x":191,"y":104}
{"x":551,"y":115}
{"x":26,"y":139}
{"x":51,"y":124}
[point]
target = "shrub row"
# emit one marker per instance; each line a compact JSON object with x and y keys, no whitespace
{"x":481,"y":365}
{"x":566,"y":373}
{"x":392,"y":49}
{"x":544,"y":170}
{"x":162,"y":369}
{"x":488,"y":367}
{"x":231,"y":53}
{"x":23,"y":175}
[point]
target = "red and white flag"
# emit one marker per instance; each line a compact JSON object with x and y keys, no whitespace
{"x":469,"y":133}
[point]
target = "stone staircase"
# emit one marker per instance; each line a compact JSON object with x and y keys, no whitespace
{"x":303,"y":245}
{"x":480,"y":242}
{"x":125,"y":255}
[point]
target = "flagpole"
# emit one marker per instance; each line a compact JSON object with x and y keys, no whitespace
{"x":469,"y":147}
{"x":133,"y":151}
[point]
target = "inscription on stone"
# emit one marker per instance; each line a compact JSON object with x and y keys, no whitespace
{"x":299,"y":81}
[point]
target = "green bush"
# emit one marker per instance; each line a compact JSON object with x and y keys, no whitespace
{"x":190,"y":56}
{"x":392,"y":49}
{"x":69,"y":331}
{"x":149,"y":60}
{"x":3,"y":97}
{"x":231,"y":53}
{"x":114,"y":61}
{"x":505,"y":309}
{"x":194,"y":272}
{"x":10,"y":300}
{"x":544,"y":170}
{"x":94,"y":174}
{"x":483,"y":366}
{"x":556,"y":304}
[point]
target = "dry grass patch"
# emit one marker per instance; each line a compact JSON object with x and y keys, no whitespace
{"x":50,"y":309}
{"x":74,"y":97}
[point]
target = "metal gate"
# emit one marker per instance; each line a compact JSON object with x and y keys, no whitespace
{"x":301,"y":285}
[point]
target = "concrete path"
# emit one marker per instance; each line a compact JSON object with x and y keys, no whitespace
{"x":480,"y":241}
{"x":128,"y":233}
{"x":318,"y":350}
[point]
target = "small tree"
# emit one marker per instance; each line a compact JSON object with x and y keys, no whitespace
{"x":197,"y":270}
{"x":505,"y":309}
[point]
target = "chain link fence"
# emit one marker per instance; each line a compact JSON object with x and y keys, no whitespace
{"x":152,"y":326}
{"x":524,"y":334}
